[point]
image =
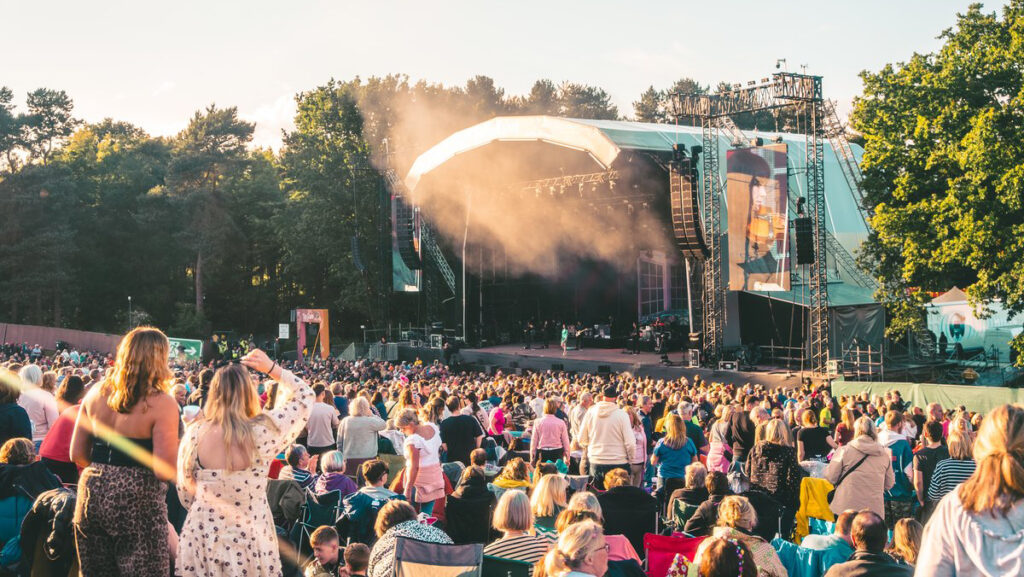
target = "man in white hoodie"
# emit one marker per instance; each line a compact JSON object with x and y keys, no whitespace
{"x":606,"y":436}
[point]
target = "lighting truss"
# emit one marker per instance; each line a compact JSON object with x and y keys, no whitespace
{"x":783,"y":89}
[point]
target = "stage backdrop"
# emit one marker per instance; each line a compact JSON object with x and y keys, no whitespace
{"x":758,"y":207}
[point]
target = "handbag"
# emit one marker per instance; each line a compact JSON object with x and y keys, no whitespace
{"x":832,"y":494}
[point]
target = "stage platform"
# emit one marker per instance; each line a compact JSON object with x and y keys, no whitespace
{"x":511,"y":357}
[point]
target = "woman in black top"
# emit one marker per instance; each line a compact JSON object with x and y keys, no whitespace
{"x":813,"y":443}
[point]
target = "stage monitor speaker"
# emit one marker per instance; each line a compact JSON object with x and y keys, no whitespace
{"x":693,"y":358}
{"x":804,"y":240}
{"x":557,"y":367}
{"x":727,"y":365}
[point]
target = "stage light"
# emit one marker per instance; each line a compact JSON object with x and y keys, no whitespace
{"x":611,"y":185}
{"x":778,"y":139}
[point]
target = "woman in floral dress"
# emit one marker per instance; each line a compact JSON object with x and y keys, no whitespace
{"x":222,"y":471}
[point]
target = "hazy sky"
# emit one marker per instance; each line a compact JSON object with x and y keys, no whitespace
{"x":154,"y":64}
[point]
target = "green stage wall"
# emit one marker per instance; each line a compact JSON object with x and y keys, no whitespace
{"x":978,"y":399}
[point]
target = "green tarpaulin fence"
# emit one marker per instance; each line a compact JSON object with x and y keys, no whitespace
{"x":975,"y":398}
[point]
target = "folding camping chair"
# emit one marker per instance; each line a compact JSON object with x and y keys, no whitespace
{"x":498,"y":567}
{"x":316,"y":511}
{"x":414,"y":558}
{"x":659,"y":551}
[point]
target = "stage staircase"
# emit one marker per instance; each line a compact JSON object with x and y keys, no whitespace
{"x":428,"y":242}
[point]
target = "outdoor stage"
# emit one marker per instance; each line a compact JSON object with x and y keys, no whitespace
{"x":513,"y":357}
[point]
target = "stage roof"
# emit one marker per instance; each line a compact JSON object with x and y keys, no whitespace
{"x":605,"y":140}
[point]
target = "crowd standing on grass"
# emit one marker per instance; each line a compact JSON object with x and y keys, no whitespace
{"x":134,"y":465}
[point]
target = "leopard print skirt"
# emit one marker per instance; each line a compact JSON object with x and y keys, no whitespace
{"x":121,"y":522}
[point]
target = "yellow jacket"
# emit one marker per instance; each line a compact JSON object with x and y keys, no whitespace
{"x":813,"y":503}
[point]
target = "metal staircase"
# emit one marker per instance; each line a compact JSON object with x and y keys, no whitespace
{"x":428,"y":243}
{"x":437,"y":255}
{"x":835,"y":132}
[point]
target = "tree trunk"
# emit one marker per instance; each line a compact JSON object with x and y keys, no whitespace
{"x":199,"y":283}
{"x":58,"y":314}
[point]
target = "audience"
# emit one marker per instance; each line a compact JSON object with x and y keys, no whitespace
{"x":581,"y":551}
{"x":436,"y":419}
{"x":869,"y":558}
{"x":357,"y":434}
{"x":736,"y":520}
{"x":548,"y":500}
{"x":514,"y":518}
{"x":976,"y":529}
{"x":398,"y":519}
{"x":333,"y":477}
{"x":861,"y":471}
{"x":126,"y":441}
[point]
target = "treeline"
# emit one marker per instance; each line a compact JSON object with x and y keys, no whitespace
{"x":204,"y":231}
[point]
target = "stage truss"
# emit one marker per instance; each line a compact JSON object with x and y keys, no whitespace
{"x":713,"y":111}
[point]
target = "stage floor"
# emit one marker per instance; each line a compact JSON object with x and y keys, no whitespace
{"x":510,"y":357}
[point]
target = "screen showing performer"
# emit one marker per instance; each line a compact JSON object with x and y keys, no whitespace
{"x":758,"y":207}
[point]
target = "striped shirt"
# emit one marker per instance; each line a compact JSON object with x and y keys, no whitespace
{"x":528,"y":548}
{"x":948,"y":474}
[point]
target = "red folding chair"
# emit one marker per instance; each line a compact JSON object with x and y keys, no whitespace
{"x":660,"y":550}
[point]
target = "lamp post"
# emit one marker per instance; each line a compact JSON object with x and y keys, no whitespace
{"x":130,"y":323}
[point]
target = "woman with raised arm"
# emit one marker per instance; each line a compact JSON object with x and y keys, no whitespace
{"x":222,"y":470}
{"x":126,"y":438}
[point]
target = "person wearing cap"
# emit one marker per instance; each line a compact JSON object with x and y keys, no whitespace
{"x":607,"y":437}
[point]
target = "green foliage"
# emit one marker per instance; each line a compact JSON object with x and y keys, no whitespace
{"x":943,"y":166}
{"x":203,"y":231}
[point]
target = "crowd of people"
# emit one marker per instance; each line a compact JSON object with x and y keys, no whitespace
{"x":134,"y":465}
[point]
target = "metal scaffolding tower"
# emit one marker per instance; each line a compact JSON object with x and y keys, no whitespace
{"x":783,"y":89}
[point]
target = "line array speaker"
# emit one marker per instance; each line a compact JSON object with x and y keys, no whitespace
{"x":804,"y":227}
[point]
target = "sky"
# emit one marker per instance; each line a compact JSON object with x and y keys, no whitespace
{"x":155,"y":63}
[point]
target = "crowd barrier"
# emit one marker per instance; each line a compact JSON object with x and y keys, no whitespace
{"x":47,"y":337}
{"x":975,"y":398}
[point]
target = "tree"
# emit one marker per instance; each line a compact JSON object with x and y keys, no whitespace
{"x":650,"y":107}
{"x":49,"y":122}
{"x":944,"y":167}
{"x":211,"y":149}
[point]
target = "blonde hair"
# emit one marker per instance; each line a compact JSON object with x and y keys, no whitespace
{"x":513,"y":512}
{"x":233,"y":405}
{"x":906,"y":539}
{"x":586,"y":501}
{"x":774,"y":432}
{"x":360,"y":407}
{"x":998,"y":482}
{"x":736,"y":511}
{"x":616,"y":478}
{"x":865,"y":427}
{"x":575,"y":544}
{"x":407,"y":418}
{"x":140,"y":369}
{"x":549,"y":495}
{"x":550,"y":406}
{"x":960,"y":443}
{"x":675,"y":431}
{"x":696,"y":475}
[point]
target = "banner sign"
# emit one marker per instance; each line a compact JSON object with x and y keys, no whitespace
{"x":282,"y":331}
{"x":185,"y":349}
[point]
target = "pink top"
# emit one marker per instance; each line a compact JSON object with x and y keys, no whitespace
{"x":497,"y":422}
{"x":57,"y":444}
{"x":549,"y":432}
